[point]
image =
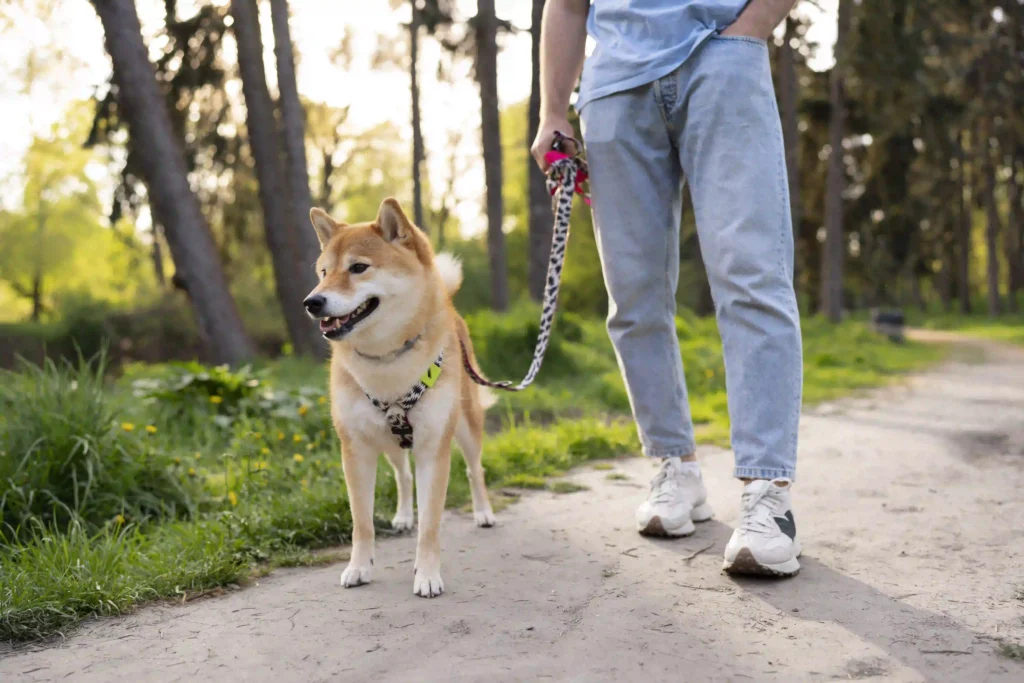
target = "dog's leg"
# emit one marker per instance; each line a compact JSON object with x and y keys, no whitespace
{"x":432,"y":469}
{"x":360,"y":464}
{"x":469,"y":434}
{"x":403,"y":520}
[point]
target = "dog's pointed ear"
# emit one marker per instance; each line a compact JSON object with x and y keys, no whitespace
{"x":324,"y":225}
{"x":392,"y":222}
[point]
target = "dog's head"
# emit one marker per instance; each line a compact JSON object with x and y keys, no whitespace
{"x":374,"y":277}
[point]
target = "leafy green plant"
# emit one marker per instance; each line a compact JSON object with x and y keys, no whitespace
{"x":64,"y":457}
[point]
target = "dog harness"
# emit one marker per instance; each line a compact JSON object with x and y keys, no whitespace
{"x":397,"y":413}
{"x":566,"y":176}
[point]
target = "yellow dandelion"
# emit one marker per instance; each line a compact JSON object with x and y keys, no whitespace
{"x":303,"y":410}
{"x":305,"y":483}
{"x":322,"y":400}
{"x":216,"y":399}
{"x":298,"y":457}
{"x":232,"y":497}
{"x":151,"y":429}
{"x":127,"y":426}
{"x":265,"y":450}
{"x":257,"y":435}
{"x":309,"y":446}
{"x":191,"y":471}
{"x":709,"y":373}
{"x":198,"y":455}
{"x":280,"y":436}
{"x":297,"y":438}
{"x":119,"y":519}
{"x":177,"y":461}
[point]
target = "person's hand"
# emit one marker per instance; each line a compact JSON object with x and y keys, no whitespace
{"x":546,"y":136}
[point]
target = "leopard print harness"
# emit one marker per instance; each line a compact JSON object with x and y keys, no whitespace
{"x":565,"y":177}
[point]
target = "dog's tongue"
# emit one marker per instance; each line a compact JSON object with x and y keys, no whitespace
{"x":328,"y":324}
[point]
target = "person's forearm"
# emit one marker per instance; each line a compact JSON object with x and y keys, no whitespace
{"x":563,"y":40}
{"x":761,"y":17}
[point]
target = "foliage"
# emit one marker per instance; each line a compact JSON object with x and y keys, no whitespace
{"x":65,"y":458}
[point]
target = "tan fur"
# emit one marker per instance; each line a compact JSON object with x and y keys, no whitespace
{"x":415,"y":299}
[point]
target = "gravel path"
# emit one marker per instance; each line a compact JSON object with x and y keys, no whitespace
{"x":910,"y":504}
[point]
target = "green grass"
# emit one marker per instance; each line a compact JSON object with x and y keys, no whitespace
{"x":177,"y":479}
{"x":616,"y":476}
{"x":1011,"y":650}
{"x":1008,"y":328}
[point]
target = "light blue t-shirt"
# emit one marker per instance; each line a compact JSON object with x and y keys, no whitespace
{"x":638,"y":41}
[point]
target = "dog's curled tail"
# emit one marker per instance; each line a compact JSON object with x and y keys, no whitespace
{"x":449,"y":267}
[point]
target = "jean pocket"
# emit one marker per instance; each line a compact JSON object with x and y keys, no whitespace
{"x":741,"y":39}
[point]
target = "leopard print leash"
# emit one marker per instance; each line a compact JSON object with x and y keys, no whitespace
{"x":566,"y":176}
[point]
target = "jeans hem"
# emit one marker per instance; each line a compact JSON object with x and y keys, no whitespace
{"x":681,"y":452}
{"x":764,"y":473}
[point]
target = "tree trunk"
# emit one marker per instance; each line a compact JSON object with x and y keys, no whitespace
{"x":417,"y":132}
{"x":833,"y":250}
{"x":964,"y":233}
{"x":788,"y":89}
{"x":1014,"y":245}
{"x":994,"y":227}
{"x":293,"y":123}
{"x":487,"y":75}
{"x":157,"y":254}
{"x":292,"y":282}
{"x":541,"y":217}
{"x":162,"y":163}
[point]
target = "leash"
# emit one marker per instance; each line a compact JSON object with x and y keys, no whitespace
{"x":566,"y":176}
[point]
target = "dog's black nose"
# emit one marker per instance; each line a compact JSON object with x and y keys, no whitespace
{"x":315,"y":303}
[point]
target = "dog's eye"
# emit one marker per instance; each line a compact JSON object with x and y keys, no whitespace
{"x":323,"y":273}
{"x":357,"y":268}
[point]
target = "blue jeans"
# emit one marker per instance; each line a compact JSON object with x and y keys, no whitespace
{"x":713,"y":121}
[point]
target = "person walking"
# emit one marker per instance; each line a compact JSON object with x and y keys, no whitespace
{"x":674,"y":91}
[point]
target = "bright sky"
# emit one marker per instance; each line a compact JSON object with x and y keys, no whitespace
{"x":317,"y":26}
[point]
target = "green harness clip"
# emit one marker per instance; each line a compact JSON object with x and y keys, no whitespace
{"x":431,"y":375}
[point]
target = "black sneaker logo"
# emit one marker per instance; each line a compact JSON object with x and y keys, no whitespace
{"x":786,"y":524}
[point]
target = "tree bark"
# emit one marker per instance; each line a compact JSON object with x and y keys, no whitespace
{"x":994,"y":227}
{"x":174,"y":205}
{"x":417,"y":132}
{"x":487,"y":76}
{"x":964,"y":233}
{"x":293,"y":124}
{"x":788,"y":96}
{"x":541,"y":218}
{"x":833,"y":250}
{"x":293,"y":282}
{"x":1014,"y":244}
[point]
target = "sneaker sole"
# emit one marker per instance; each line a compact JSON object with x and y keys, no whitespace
{"x":656,"y":528}
{"x":746,"y":564}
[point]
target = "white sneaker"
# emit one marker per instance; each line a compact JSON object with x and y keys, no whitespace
{"x":764,"y":542}
{"x":676,"y":501}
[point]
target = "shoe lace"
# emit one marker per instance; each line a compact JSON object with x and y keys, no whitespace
{"x":664,"y":486}
{"x":757,"y":511}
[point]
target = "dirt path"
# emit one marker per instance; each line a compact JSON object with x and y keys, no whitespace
{"x":910,"y":504}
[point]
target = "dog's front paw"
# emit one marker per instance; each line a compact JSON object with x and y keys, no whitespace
{"x":484,"y":518}
{"x":428,"y":583}
{"x":356,"y":575}
{"x":403,"y":521}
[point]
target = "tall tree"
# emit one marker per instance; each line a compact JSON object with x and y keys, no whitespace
{"x":541,"y":217}
{"x":994,"y":228}
{"x":834,"y":247}
{"x":162,"y":165}
{"x":417,"y":131}
{"x":293,"y":280}
{"x":964,"y":232}
{"x":1014,"y":239}
{"x":486,"y":24}
{"x":293,"y":123}
{"x":788,"y":96}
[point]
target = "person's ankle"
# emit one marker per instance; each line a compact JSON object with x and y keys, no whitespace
{"x":781,"y":483}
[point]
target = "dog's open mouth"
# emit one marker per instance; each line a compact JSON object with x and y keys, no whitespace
{"x":336,"y":328}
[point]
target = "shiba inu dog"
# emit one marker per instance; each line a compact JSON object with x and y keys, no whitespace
{"x":384,"y":304}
